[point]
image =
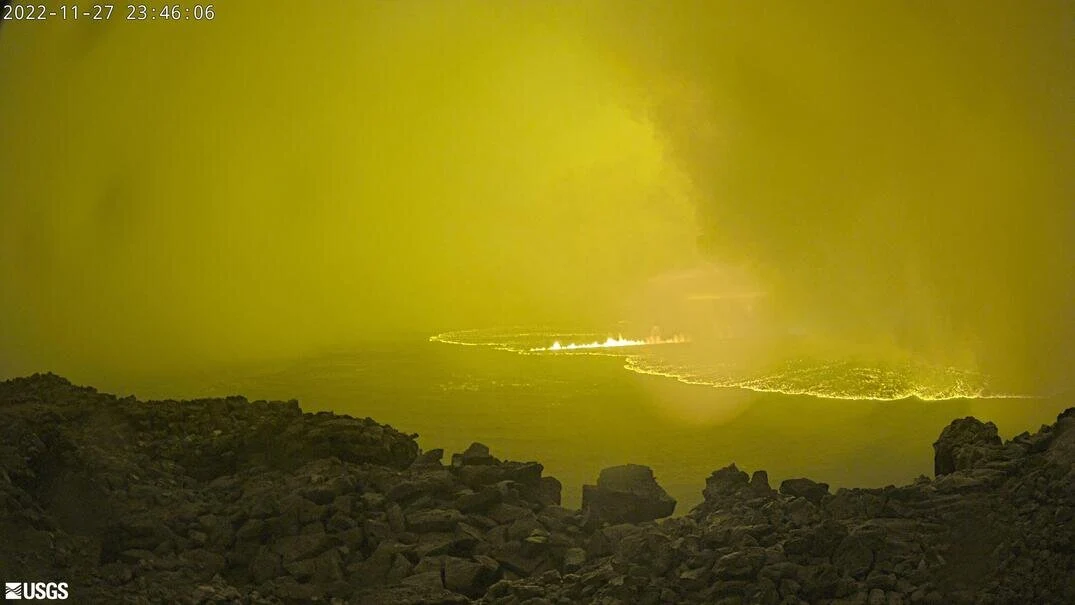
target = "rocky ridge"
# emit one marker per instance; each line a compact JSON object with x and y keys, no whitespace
{"x":232,"y":501}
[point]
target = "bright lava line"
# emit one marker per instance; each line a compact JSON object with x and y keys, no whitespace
{"x":610,"y":343}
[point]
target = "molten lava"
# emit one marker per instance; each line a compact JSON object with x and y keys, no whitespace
{"x":611,"y":343}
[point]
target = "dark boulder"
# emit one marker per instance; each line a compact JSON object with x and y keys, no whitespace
{"x":804,"y":488}
{"x":627,"y":494}
{"x":477,"y":475}
{"x":550,"y":488}
{"x":477,"y":453}
{"x":963,"y":443}
{"x":433,"y":520}
{"x":742,"y":564}
{"x":1061,"y":444}
{"x":724,"y":482}
{"x":430,"y":459}
{"x":468,"y":577}
{"x":478,"y":501}
{"x":759,"y":483}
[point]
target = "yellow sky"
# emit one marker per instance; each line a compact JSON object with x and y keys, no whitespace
{"x":244,"y":187}
{"x":274,"y":182}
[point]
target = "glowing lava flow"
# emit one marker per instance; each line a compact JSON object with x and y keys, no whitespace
{"x":821,"y":377}
{"x":611,"y":343}
{"x":836,"y":380}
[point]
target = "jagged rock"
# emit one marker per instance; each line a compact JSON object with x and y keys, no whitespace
{"x":804,"y":488}
{"x":854,"y":555}
{"x":477,"y":475}
{"x":523,"y":527}
{"x":574,"y":559}
{"x":695,"y":578}
{"x":299,"y":510}
{"x":759,"y":482}
{"x":476,"y":454}
{"x":350,"y":440}
{"x":427,"y":482}
{"x":963,"y":443}
{"x":742,"y":564}
{"x":322,"y":568}
{"x":439,"y":519}
{"x":1061,"y":443}
{"x":265,"y":565}
{"x":430,"y":459}
{"x":800,"y":512}
{"x":726,"y":481}
{"x":627,"y":493}
{"x":302,"y":546}
{"x":513,"y":557}
{"x":480,"y":501}
{"x":425,"y":579}
{"x":506,"y":513}
{"x":467,"y":577}
{"x":549,"y":494}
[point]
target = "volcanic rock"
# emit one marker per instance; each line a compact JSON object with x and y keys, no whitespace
{"x":477,"y":453}
{"x":963,"y":443}
{"x":627,"y":494}
{"x":198,"y":501}
{"x":804,"y":488}
{"x":726,"y":481}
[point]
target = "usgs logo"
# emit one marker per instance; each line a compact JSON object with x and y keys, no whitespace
{"x":16,"y":591}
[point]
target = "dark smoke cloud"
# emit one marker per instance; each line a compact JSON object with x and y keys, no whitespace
{"x":898,"y":172}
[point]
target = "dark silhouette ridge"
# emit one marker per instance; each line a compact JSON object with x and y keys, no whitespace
{"x":228,"y":500}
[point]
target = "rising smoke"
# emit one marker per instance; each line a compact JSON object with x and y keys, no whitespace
{"x":898,"y":175}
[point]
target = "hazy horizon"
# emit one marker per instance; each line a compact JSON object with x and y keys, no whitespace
{"x":889,"y":181}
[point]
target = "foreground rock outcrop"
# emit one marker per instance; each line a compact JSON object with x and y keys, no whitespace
{"x":225,"y":500}
{"x":626,"y":494}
